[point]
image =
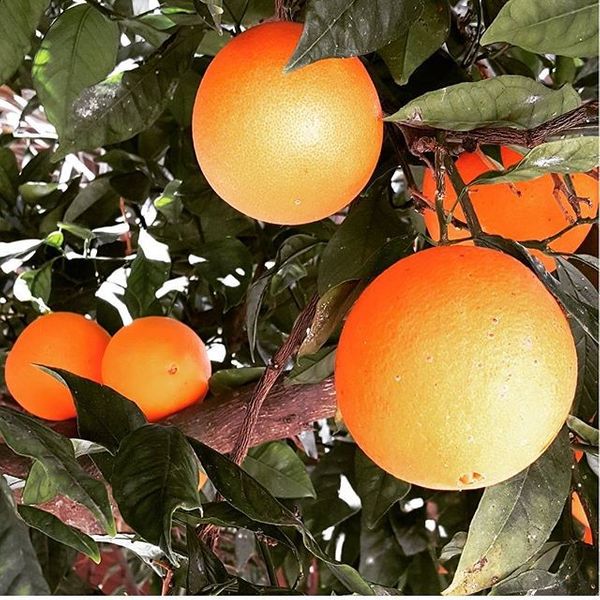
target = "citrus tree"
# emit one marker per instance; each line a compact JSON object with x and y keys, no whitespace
{"x":247,"y":169}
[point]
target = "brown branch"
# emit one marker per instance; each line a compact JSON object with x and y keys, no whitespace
{"x":422,"y":138}
{"x":286,"y":412}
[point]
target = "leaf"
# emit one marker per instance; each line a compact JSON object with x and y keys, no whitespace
{"x":339,"y":28}
{"x":98,"y":191}
{"x":215,"y":8}
{"x":145,"y":279}
{"x":9,"y":170}
{"x":227,"y":266}
{"x":54,"y":528}
{"x":252,"y":499}
{"x":569,"y":155}
{"x":121,"y":106}
{"x":79,"y":50}
{"x":204,"y":568}
{"x":103,"y":415}
{"x":313,"y":368}
{"x":20,"y":571}
{"x":170,"y":203}
{"x":39,"y":488}
{"x":225,"y":380}
{"x":280,"y":470}
{"x":154,"y":473}
{"x":381,"y":559}
{"x":513,"y":520}
{"x":353,"y":248}
{"x":378,"y":490}
{"x":454,"y":547}
{"x":503,"y":101}
{"x":564,"y":27}
{"x":418,"y":42}
{"x":586,"y":432}
{"x":28,"y":437}
{"x":18,"y":22}
{"x":39,"y":282}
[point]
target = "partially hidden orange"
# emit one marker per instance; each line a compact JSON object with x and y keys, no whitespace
{"x":64,"y":340}
{"x":523,"y":211}
{"x":456,"y":368}
{"x":285,"y":147}
{"x":159,"y":363}
{"x":579,"y":515}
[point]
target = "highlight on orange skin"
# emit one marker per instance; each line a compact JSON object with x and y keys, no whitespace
{"x":64,"y":340}
{"x":522,"y":211}
{"x":159,"y":363}
{"x":285,"y":147}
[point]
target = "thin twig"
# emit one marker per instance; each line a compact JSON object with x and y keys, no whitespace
{"x":440,"y":191}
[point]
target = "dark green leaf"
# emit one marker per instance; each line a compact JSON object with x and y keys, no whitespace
{"x":229,"y":379}
{"x":79,"y":50}
{"x":565,"y":27}
{"x":61,"y":532}
{"x":154,"y":473}
{"x":569,"y":155}
{"x":378,"y":490}
{"x":381,"y":559}
{"x":28,"y":437}
{"x":20,"y":572}
{"x":313,"y":368}
{"x":506,"y":100}
{"x":204,"y":568}
{"x":9,"y":170}
{"x":513,"y":520}
{"x":39,"y":282}
{"x":280,"y":470}
{"x":18,"y":22}
{"x":170,"y":203}
{"x":39,"y":488}
{"x":123,"y":105}
{"x":97,"y":192}
{"x":339,"y":28}
{"x":454,"y":547}
{"x":103,"y":415}
{"x":418,"y":42}
{"x":353,"y":248}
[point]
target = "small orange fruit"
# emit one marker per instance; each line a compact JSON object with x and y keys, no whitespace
{"x":285,"y":147}
{"x":64,"y":340}
{"x":158,"y":363}
{"x":527,"y":210}
{"x":456,"y":368}
{"x":579,"y":515}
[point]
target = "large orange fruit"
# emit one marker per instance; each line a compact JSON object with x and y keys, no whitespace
{"x":456,"y":368}
{"x":158,"y":363}
{"x":526,"y":210}
{"x":285,"y":147}
{"x":64,"y":340}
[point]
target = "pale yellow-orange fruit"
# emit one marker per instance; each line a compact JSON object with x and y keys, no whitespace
{"x":456,"y":368}
{"x":285,"y":147}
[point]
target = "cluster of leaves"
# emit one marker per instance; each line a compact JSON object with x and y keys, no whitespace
{"x":104,"y":211}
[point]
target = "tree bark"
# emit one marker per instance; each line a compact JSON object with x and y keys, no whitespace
{"x":286,"y":412}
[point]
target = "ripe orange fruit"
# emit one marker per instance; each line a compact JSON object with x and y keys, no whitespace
{"x":526,"y":210}
{"x":158,"y":363}
{"x":64,"y":340}
{"x":579,"y":515}
{"x":283,"y":147}
{"x":456,"y":368}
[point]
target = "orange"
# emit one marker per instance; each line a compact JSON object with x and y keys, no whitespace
{"x":456,"y":368}
{"x":579,"y":515}
{"x":158,"y":363}
{"x":523,"y":211}
{"x":64,"y":340}
{"x":285,"y":147}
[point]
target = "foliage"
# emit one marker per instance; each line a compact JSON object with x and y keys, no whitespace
{"x":104,"y":211}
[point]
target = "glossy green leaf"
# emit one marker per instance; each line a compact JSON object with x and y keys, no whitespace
{"x":155,"y":472}
{"x":97,"y":192}
{"x":103,"y":415}
{"x":503,"y":101}
{"x":121,"y":106}
{"x":313,"y":368}
{"x":378,"y":490}
{"x":339,"y":28}
{"x":20,"y":572}
{"x":79,"y":50}
{"x":39,"y":281}
{"x":204,"y":568}
{"x":353,"y":249}
{"x":381,"y":559}
{"x":417,"y":43}
{"x":569,"y":155}
{"x":28,"y":437}
{"x":226,"y":380}
{"x":280,"y":470}
{"x":565,"y":27}
{"x":53,"y":527}
{"x":513,"y":520}
{"x":39,"y":488}
{"x":18,"y":22}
